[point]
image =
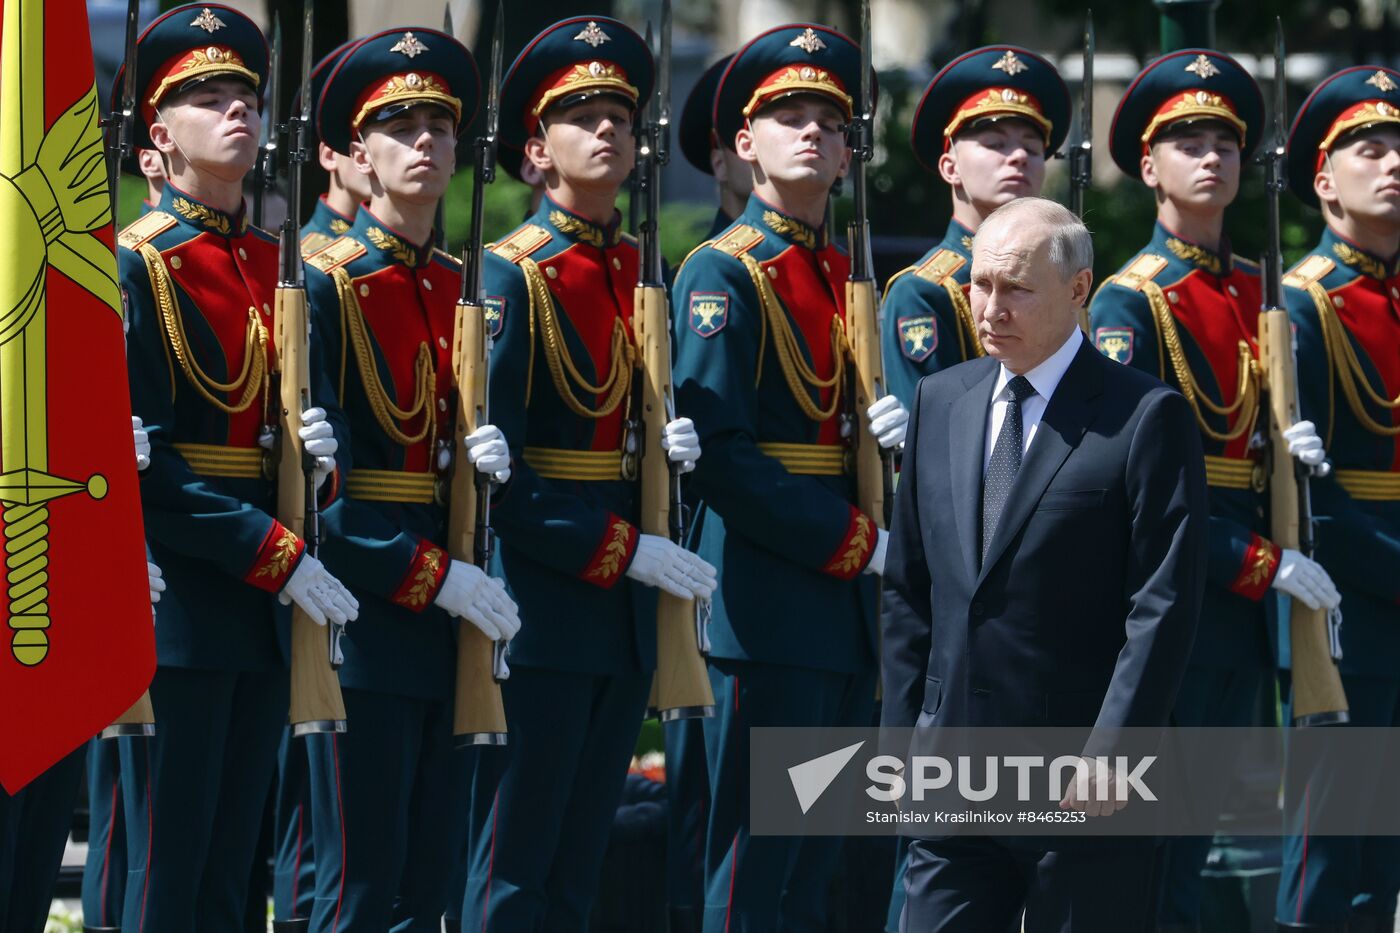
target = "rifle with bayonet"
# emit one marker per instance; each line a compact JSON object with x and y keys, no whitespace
{"x":874,"y":464}
{"x":1081,"y":156}
{"x":479,"y":716}
{"x":1318,"y":696}
{"x":265,"y":171}
{"x":141,"y":718}
{"x":681,"y":687}
{"x":317,"y":706}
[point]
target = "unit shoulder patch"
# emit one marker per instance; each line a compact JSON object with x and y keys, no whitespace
{"x":1140,"y":271}
{"x":709,"y":312}
{"x":918,"y":336}
{"x":739,"y":240}
{"x":337,"y":254}
{"x":941,"y":266}
{"x":521,"y":243}
{"x":314,"y":242}
{"x":1310,"y":270}
{"x":1116,"y":343}
{"x":144,"y":229}
{"x":495,"y":314}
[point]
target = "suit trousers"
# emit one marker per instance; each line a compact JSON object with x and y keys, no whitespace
{"x":980,"y":885}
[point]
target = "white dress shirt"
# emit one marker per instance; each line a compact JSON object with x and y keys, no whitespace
{"x":1044,"y":378}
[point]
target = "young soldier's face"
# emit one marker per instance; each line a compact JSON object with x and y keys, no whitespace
{"x":798,"y":140}
{"x":411,"y":155}
{"x":1361,"y":177}
{"x":1195,"y":166}
{"x":995,"y":163}
{"x":342,"y":169}
{"x":213,"y":127}
{"x":732,"y":173}
{"x":589,"y":145}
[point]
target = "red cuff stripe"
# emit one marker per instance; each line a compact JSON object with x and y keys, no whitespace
{"x":424,"y":577}
{"x":613,"y":555}
{"x":1257,"y":572}
{"x":856,"y":547}
{"x":330,"y":490}
{"x":277,"y":555}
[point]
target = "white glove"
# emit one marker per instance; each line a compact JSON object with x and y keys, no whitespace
{"x":157,"y":581}
{"x":877,"y":557}
{"x":318,"y":438}
{"x":1306,"y":447}
{"x":468,"y":593}
{"x":681,"y":443}
{"x":1306,"y":581}
{"x":660,"y":563}
{"x":889,"y":420}
{"x":143,"y":443}
{"x":488,"y":452}
{"x":320,"y":595}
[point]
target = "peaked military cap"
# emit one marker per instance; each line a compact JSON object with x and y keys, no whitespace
{"x":188,"y":45}
{"x":319,"y":73}
{"x":991,"y":83}
{"x":391,"y":71}
{"x":696,"y":133}
{"x":1185,"y":86}
{"x":1350,"y":100}
{"x":569,"y":62}
{"x":800,"y":58}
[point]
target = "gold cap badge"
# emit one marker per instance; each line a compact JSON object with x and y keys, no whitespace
{"x":593,"y":35}
{"x":409,"y":45}
{"x":809,"y":42}
{"x":1203,"y":67}
{"x":1010,"y":64}
{"x":207,"y":21}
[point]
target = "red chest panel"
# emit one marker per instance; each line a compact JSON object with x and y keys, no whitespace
{"x":1219,"y":313}
{"x":594,"y":288}
{"x":223,"y":278}
{"x":1370,"y":312}
{"x":406,"y":309}
{"x":812,"y":287}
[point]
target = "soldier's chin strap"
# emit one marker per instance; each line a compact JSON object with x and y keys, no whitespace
{"x":179,"y":148}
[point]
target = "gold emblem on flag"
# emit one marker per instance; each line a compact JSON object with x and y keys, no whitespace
{"x":1203,"y":67}
{"x":593,"y":35}
{"x":809,"y":42}
{"x":1382,"y":81}
{"x":207,"y":21}
{"x":53,"y":197}
{"x":1010,"y":64}
{"x":409,"y":45}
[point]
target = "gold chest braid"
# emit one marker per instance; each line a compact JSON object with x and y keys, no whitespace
{"x":798,"y":374}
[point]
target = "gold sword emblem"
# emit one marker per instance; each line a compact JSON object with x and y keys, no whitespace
{"x":53,"y":196}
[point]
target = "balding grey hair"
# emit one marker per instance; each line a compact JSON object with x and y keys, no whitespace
{"x":1071,"y":246}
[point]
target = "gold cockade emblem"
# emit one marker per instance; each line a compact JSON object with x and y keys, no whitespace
{"x":54,"y":198}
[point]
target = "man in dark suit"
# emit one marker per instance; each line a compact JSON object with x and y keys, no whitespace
{"x":1046,"y":566}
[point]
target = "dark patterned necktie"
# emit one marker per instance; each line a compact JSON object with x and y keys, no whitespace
{"x":1005,"y":462}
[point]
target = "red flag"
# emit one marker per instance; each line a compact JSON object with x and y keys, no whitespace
{"x":78,"y":647}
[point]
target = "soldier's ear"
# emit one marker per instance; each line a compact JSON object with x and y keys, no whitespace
{"x":744,"y":144}
{"x":161,"y":138}
{"x":1149,"y":171}
{"x":845,"y":163}
{"x":359,"y":157}
{"x":1325,"y":184}
{"x":948,"y":169}
{"x":325,"y":155}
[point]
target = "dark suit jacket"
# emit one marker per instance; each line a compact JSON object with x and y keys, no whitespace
{"x":1085,"y":610}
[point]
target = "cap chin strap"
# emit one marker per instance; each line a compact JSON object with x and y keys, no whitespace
{"x":178,"y":148}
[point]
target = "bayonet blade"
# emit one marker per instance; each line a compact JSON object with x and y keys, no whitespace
{"x":663,"y":87}
{"x":1086,"y":108}
{"x":447,"y":18}
{"x":307,"y":25}
{"x":867,"y":92}
{"x":272,"y":110}
{"x":133,"y":9}
{"x":1280,"y":87}
{"x":493,"y":93}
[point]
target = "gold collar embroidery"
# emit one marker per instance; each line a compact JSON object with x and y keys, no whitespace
{"x":392,"y":245}
{"x":582,"y":230}
{"x":1195,"y":254}
{"x":208,"y":218}
{"x":794,"y":230}
{"x":1354,"y":257}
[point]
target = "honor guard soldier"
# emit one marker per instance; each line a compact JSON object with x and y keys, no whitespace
{"x":1344,"y":302}
{"x":701,"y":148}
{"x":346,"y":188}
{"x":1186,"y":310}
{"x":387,"y":816}
{"x":104,"y":872}
{"x":762,"y":368}
{"x":199,"y":283}
{"x":986,"y":125}
{"x":560,"y":289}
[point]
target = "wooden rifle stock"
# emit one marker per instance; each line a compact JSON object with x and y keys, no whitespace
{"x":863,"y":332}
{"x":681,"y":688}
{"x":479,"y":714}
{"x":1318,"y":696}
{"x":317,"y":705}
{"x":139,"y":720}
